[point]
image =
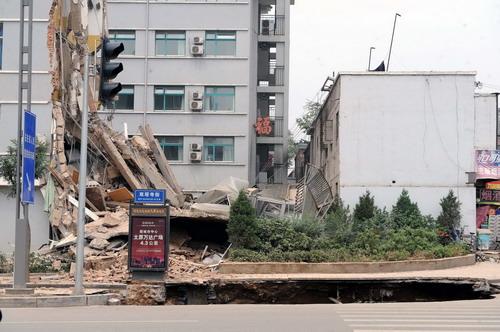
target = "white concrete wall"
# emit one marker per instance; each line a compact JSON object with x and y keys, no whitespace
{"x":485,"y":122}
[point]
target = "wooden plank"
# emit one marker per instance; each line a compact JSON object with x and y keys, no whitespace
{"x":157,"y":180}
{"x":162,"y":161}
{"x":89,"y":213}
{"x":120,"y":195}
{"x":119,"y":162}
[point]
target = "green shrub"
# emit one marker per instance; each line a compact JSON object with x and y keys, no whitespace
{"x":450,"y":216}
{"x":279,"y":235}
{"x":364,"y":210}
{"x":246,"y":255}
{"x":242,"y":225}
{"x":405,"y":212}
{"x":6,"y":264}
{"x":311,"y":227}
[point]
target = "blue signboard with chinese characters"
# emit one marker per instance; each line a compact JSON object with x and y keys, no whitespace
{"x":29,"y":143}
{"x":150,"y":196}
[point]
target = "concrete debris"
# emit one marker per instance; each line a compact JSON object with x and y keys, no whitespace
{"x":118,"y":165}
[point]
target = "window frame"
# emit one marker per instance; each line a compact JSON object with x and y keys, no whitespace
{"x":123,"y":39}
{"x":207,"y":146}
{"x":164,"y":144}
{"x":1,"y":44}
{"x":166,"y":39}
{"x":121,"y":93}
{"x":165,"y":94}
{"x":215,"y":95}
{"x":217,"y":40}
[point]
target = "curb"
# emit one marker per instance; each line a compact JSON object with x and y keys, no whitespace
{"x":351,"y":267}
{"x":55,"y":301}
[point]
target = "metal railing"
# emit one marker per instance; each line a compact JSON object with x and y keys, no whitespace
{"x":271,"y":76}
{"x":272,"y":25}
{"x":275,"y":173}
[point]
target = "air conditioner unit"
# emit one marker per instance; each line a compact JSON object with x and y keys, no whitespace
{"x":195,"y":147}
{"x":265,"y":27}
{"x":196,"y":95}
{"x":195,"y":156}
{"x":198,"y":40}
{"x":196,"y":105}
{"x":197,"y":50}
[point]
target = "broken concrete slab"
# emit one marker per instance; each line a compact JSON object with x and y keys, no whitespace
{"x":99,"y":244}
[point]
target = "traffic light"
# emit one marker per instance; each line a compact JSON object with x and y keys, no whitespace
{"x":109,"y":70}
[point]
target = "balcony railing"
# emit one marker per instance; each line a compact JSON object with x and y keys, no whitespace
{"x":271,"y":76}
{"x":271,"y":173}
{"x":272,"y":25}
{"x":270,"y":126}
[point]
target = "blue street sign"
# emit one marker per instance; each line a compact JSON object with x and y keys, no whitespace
{"x":149,"y":196}
{"x":28,"y":188}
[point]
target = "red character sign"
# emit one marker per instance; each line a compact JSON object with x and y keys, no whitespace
{"x":263,"y":125}
{"x":148,"y":243}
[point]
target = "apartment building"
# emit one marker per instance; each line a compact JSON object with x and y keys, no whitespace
{"x":211,"y":79}
{"x":40,"y":105}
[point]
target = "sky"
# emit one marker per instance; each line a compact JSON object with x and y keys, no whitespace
{"x":431,"y":35}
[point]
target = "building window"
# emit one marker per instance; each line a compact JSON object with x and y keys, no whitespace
{"x":127,"y":37}
{"x":218,"y":149}
{"x":170,"y":43}
{"x":220,"y":43}
{"x":219,"y":98}
{"x":169,"y":98}
{"x":125,"y":99}
{"x":1,"y":44}
{"x":172,"y":147}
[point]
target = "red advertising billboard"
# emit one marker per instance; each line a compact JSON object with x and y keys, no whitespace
{"x":148,"y":239}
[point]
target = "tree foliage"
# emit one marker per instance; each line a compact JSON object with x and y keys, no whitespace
{"x":451,"y":215}
{"x":311,"y":109}
{"x":405,"y":212}
{"x":242,"y":226}
{"x":8,"y":164}
{"x":364,"y":210}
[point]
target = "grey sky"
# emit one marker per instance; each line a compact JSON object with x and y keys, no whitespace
{"x":438,"y":35}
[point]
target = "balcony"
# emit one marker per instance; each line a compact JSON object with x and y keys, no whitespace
{"x":272,"y":25}
{"x":271,"y":76}
{"x":270,"y":126}
{"x":271,"y":173}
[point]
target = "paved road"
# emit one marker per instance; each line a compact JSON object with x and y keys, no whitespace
{"x":479,"y":315}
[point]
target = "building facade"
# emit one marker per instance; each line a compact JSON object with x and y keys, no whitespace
{"x":211,"y":79}
{"x":389,"y":131}
{"x":40,"y":105}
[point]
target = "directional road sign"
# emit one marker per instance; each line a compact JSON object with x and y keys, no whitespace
{"x":28,"y":188}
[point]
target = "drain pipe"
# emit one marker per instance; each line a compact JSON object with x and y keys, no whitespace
{"x":146,"y":66}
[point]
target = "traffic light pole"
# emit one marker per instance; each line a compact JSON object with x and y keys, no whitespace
{"x":82,"y":186}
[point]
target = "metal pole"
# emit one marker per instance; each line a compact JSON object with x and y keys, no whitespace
{"x":392,"y":38}
{"x":370,"y":57}
{"x":22,"y":228}
{"x":20,"y":111}
{"x":82,"y":185}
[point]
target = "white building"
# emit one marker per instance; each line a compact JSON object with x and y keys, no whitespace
{"x":41,"y":90}
{"x":201,"y":73}
{"x":389,"y":131}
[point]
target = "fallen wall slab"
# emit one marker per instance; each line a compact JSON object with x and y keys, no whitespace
{"x":370,"y":267}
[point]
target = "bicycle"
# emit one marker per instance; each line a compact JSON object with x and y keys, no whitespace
{"x":473,"y":242}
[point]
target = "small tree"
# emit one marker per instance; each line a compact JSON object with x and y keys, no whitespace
{"x":364,"y":210}
{"x":451,"y":215}
{"x":305,"y":122}
{"x":8,"y":164}
{"x":242,"y":226}
{"x":405,"y":212}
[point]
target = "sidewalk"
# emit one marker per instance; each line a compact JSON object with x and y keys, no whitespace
{"x":58,"y":292}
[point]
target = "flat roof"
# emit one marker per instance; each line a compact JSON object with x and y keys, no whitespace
{"x":407,"y":73}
